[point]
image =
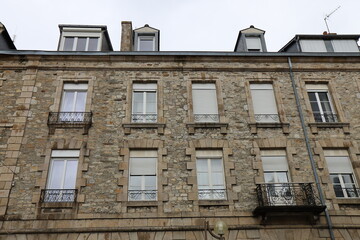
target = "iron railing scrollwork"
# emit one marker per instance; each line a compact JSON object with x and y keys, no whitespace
{"x":144,"y":118}
{"x":325,"y":117}
{"x":70,"y":120}
{"x":58,"y":195}
{"x":286,"y":194}
{"x":206,"y":118}
{"x":142,"y":195}
{"x":212,"y":194}
{"x":266,"y":117}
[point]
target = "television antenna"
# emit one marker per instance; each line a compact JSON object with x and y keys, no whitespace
{"x":327,"y":16}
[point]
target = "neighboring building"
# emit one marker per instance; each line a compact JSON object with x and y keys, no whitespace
{"x":143,"y":144}
{"x":5,"y":40}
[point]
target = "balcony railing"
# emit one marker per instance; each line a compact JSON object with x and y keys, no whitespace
{"x":58,"y":195}
{"x":347,"y":192}
{"x":212,"y":194}
{"x":286,"y":194}
{"x":70,"y":120}
{"x":144,"y":118}
{"x":142,"y":195}
{"x":204,"y":118}
{"x":325,"y":117}
{"x":266,"y":117}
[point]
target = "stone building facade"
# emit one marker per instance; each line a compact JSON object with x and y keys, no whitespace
{"x":106,"y":147}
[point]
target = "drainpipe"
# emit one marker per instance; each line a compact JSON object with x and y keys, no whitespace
{"x":308,"y":147}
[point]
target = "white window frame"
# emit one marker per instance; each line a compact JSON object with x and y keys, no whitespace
{"x":205,"y":115}
{"x":269,"y":115}
{"x":73,"y":115}
{"x":146,"y":154}
{"x":339,"y":171}
{"x":145,"y":89}
{"x":145,"y":37}
{"x":209,"y":156}
{"x":81,"y":32}
{"x":321,"y":88}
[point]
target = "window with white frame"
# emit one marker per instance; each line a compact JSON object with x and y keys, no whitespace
{"x":253,"y":44}
{"x":276,"y":175}
{"x":81,"y":44}
{"x":142,"y":179}
{"x":264,"y":103}
{"x":210,"y":175}
{"x":61,"y":179}
{"x":146,"y":43}
{"x":341,"y":174}
{"x":144,"y":103}
{"x":73,"y":102}
{"x":345,"y":45}
{"x":314,"y":45}
{"x":321,"y":103}
{"x":205,"y":105}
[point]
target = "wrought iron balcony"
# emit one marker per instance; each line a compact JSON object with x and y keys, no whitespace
{"x":212,"y":194}
{"x":204,"y":118}
{"x":58,"y":195}
{"x":326,"y":117}
{"x":144,"y":118}
{"x":70,"y":120}
{"x":347,"y":192}
{"x":266,"y":117}
{"x":287,"y":197}
{"x":142,"y":195}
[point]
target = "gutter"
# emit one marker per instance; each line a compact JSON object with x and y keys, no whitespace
{"x":308,"y":147}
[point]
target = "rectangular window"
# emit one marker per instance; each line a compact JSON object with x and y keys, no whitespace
{"x":73,"y":102}
{"x":264,"y":103}
{"x":253,"y":44}
{"x":205,"y":106}
{"x":345,"y":46}
{"x":146,"y":43}
{"x":210,"y":175}
{"x":81,"y":44}
{"x":276,"y":176}
{"x":341,"y":174}
{"x":61,"y":180}
{"x":142,"y":179}
{"x":321,"y":104}
{"x":313,"y":46}
{"x":144,"y":103}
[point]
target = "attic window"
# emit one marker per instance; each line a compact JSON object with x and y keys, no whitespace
{"x":146,"y":43}
{"x":253,"y":44}
{"x":81,"y":44}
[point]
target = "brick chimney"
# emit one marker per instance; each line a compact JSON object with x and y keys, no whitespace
{"x":126,"y":36}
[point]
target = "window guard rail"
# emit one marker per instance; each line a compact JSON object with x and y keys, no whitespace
{"x":285,"y":194}
{"x":267,"y":118}
{"x":325,"y":117}
{"x":142,"y":195}
{"x":58,"y":195}
{"x":144,"y":118}
{"x":70,"y":118}
{"x":212,"y":194}
{"x":206,"y":118}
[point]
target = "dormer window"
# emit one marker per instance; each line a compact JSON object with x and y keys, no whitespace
{"x":81,"y":44}
{"x":253,"y":44}
{"x":146,"y":43}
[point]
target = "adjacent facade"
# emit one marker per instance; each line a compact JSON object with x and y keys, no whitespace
{"x":143,"y":144}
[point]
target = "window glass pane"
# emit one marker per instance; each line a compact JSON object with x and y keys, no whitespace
{"x":135,"y":183}
{"x":150,"y":183}
{"x":56,"y":175}
{"x":68,"y":44}
{"x":146,"y":44}
{"x":202,"y":165}
{"x":312,"y":96}
{"x":70,"y":175}
{"x":315,"y":107}
{"x":217,"y":179}
{"x":312,"y":46}
{"x":138,"y":99}
{"x":347,"y":178}
{"x":335,"y":178}
{"x":345,"y":46}
{"x":68,"y":101}
{"x":203,"y":180}
{"x":81,"y":44}
{"x":80,"y":102}
{"x":269,"y":177}
{"x":216,"y":165}
{"x":282,"y":177}
{"x":93,"y":44}
{"x":338,"y":191}
{"x":253,"y":43}
{"x":151,"y":102}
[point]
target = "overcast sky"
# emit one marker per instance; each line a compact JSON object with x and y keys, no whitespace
{"x":185,"y":25}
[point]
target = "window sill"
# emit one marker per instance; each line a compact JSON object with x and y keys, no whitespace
{"x":58,"y":204}
{"x":192,"y":126}
{"x":154,"y":203}
{"x":214,"y":203}
{"x":348,"y":201}
{"x":315,"y":125}
{"x":128,"y":126}
{"x":255,"y":125}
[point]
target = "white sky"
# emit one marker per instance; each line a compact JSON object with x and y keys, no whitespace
{"x":185,"y":25}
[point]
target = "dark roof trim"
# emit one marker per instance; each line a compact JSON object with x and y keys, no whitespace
{"x":177,"y":53}
{"x":146,"y":25}
{"x":7,"y":37}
